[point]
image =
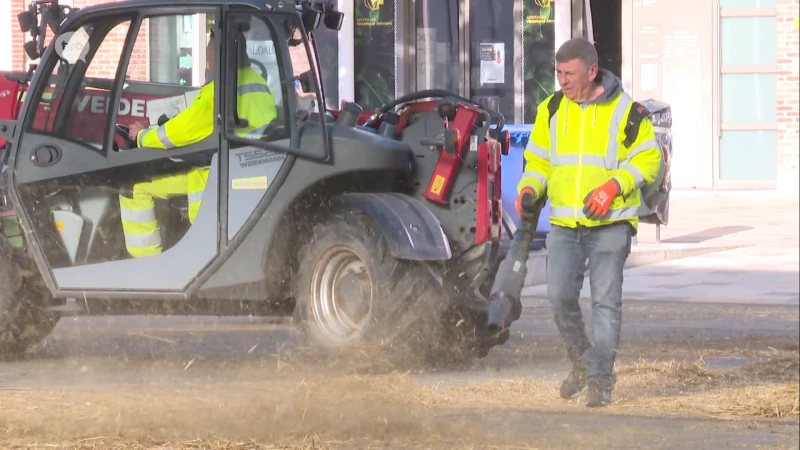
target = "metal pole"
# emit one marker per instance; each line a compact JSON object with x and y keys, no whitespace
{"x":198,"y":49}
{"x":347,"y":52}
{"x":563,"y":27}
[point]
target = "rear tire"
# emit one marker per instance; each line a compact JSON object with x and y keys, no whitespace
{"x":352,"y":294}
{"x":23,"y":319}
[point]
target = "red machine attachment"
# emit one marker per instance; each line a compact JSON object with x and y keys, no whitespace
{"x":455,"y":141}
{"x":489,"y":205}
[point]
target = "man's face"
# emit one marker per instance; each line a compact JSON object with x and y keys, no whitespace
{"x":575,"y":79}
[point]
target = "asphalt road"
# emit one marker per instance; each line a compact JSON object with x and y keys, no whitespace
{"x":87,"y":354}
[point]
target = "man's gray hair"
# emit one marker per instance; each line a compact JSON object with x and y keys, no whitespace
{"x":577,"y":48}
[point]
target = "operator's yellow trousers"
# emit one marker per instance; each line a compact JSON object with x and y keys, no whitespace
{"x":139,"y":224}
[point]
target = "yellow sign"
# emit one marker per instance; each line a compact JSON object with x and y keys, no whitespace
{"x":438,"y":184}
{"x":543,"y":3}
{"x":373,"y":5}
{"x":250,"y":183}
{"x":796,"y":23}
{"x":60,"y":225}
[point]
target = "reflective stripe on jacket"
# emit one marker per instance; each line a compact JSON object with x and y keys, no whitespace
{"x":581,"y":148}
{"x":196,"y":122}
{"x":139,"y":224}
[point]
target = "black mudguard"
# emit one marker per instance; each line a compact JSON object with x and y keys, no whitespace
{"x":412,"y":231}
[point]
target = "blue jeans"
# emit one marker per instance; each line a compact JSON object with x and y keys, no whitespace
{"x":606,"y":249}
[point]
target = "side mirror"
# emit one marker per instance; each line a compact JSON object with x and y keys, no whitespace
{"x":27,"y":21}
{"x":32,"y":49}
{"x":306,"y":79}
{"x":333,"y":20}
{"x":311,"y":18}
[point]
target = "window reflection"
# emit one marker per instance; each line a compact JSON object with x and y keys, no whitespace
{"x":437,"y":65}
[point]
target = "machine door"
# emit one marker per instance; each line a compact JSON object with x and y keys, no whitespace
{"x":271,"y":79}
{"x":72,"y":162}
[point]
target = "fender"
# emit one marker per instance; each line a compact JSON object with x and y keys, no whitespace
{"x":411,"y":230}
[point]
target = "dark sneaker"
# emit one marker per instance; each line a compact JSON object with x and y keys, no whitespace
{"x":598,"y":396}
{"x":575,"y":384}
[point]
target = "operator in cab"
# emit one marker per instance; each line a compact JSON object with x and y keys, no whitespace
{"x":255,"y":103}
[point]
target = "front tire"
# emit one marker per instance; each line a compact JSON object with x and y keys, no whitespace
{"x":351,"y":293}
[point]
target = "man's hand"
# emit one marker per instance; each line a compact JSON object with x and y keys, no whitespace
{"x":597,"y":203}
{"x":133,"y":131}
{"x":523,"y":199}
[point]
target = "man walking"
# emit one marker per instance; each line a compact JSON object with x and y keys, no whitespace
{"x":576,"y":156}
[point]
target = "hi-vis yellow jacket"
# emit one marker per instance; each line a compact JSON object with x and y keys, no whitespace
{"x":581,"y":148}
{"x":195,"y":123}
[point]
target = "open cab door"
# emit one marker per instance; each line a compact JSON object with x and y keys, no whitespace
{"x":73,"y":164}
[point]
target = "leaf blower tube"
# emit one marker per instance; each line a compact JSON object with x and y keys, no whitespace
{"x":505,"y":305}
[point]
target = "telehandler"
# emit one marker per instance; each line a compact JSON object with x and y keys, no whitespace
{"x":377,"y":228}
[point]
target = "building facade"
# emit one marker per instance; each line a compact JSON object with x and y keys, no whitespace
{"x":728,"y":68}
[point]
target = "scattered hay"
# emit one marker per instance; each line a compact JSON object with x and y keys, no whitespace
{"x":304,"y":410}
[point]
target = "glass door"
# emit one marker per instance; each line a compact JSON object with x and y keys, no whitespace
{"x":360,"y":62}
{"x":512,"y":56}
{"x":498,"y":52}
{"x":439,"y":61}
{"x":495,"y":75}
{"x":538,"y":66}
{"x":747,"y":94}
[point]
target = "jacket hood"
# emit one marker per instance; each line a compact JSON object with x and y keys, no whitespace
{"x":612,"y":86}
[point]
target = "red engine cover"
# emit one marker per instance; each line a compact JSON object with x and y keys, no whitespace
{"x":489,"y":207}
{"x":9,"y":100}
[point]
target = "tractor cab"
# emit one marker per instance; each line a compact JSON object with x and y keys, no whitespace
{"x":72,"y":155}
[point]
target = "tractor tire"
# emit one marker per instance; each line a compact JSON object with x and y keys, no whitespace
{"x":23,"y":319}
{"x":352,"y":296}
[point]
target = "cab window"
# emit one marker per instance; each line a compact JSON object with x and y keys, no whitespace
{"x":269,"y":95}
{"x":74,"y":102}
{"x":165,"y":77}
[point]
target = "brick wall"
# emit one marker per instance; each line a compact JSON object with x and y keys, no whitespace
{"x":17,"y":52}
{"x":788,"y":107}
{"x":105,"y":62}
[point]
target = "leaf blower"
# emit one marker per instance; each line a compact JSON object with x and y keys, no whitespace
{"x":505,"y":305}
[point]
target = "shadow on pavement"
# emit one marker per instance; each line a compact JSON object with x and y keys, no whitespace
{"x":706,"y":235}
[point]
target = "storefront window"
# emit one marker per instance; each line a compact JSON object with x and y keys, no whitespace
{"x":171,"y":61}
{"x":375,"y":46}
{"x":327,"y":44}
{"x":492,"y":76}
{"x":538,"y":64}
{"x":437,"y":61}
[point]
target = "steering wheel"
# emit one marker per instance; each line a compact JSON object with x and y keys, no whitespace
{"x":123,"y":131}
{"x":433,"y":93}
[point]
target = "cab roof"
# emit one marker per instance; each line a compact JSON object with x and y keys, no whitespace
{"x":134,"y":5}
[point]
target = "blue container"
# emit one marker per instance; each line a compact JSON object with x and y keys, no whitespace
{"x":513,"y":165}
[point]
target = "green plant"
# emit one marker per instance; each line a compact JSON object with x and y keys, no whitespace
{"x":538,"y":33}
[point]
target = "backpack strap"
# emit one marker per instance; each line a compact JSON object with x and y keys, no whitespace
{"x":638,"y":112}
{"x":553,"y":104}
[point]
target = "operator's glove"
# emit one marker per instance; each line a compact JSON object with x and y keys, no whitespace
{"x":526,"y":190}
{"x":597,"y":203}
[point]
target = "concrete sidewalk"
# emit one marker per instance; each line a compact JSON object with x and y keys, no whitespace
{"x":718,"y":247}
